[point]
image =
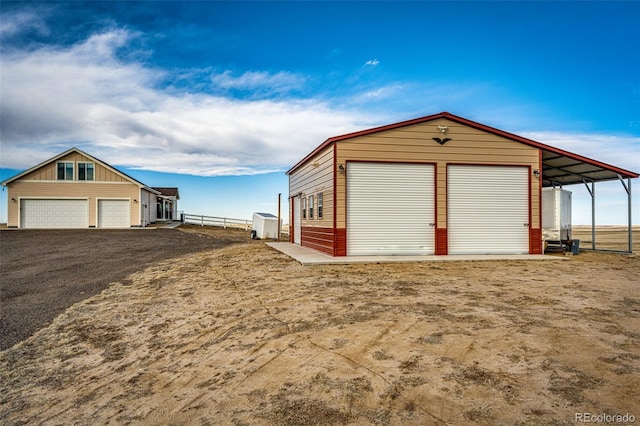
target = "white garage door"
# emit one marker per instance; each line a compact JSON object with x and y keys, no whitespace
{"x":113,"y":214}
{"x":54,"y":213}
{"x":488,"y":210}
{"x":390,"y":209}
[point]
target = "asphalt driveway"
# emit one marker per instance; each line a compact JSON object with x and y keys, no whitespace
{"x":43,"y":272}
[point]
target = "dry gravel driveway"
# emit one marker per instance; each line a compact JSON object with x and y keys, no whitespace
{"x":43,"y":272}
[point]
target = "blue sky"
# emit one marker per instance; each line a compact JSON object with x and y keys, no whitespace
{"x":221,"y":98}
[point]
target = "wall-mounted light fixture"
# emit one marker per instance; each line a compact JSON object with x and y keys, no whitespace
{"x":341,"y":169}
{"x":536,"y":173}
{"x":135,"y":200}
{"x":13,"y":200}
{"x":443,"y":129}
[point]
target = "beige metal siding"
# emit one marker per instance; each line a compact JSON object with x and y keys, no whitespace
{"x":62,"y":189}
{"x":414,"y":144}
{"x":314,"y":177}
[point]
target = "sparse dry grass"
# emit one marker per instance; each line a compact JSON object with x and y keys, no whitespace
{"x":245,"y":335}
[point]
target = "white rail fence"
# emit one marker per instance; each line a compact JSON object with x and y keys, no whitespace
{"x":225,"y":222}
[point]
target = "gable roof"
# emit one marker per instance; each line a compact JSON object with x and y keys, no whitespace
{"x":94,"y":159}
{"x":168,"y":192}
{"x":560,"y":167}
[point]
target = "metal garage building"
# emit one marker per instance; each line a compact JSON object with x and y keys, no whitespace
{"x":439,"y":184}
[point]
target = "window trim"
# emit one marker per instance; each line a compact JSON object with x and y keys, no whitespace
{"x":320,"y":201}
{"x":310,"y":206}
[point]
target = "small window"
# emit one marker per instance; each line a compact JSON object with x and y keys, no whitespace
{"x":65,"y":170}
{"x":85,"y":171}
{"x":304,"y":208}
{"x":319,"y":205}
{"x":310,"y":206}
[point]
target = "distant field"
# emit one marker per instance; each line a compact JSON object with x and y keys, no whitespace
{"x":607,"y":237}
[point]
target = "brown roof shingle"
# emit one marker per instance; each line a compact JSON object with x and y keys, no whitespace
{"x":169,"y":192}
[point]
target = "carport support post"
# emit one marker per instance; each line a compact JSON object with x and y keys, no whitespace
{"x":592,"y":192}
{"x":627,"y":188}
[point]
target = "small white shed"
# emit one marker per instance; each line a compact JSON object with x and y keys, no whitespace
{"x":265,"y":226}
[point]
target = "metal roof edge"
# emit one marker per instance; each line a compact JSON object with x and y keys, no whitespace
{"x":376,"y":129}
{"x":540,"y":145}
{"x":36,"y":167}
{"x":465,"y":121}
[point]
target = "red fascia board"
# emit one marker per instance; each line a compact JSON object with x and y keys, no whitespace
{"x":483,"y":127}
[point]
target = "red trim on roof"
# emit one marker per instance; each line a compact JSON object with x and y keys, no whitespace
{"x":623,"y":172}
{"x":461,"y":120}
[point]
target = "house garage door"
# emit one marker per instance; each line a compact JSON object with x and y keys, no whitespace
{"x":54,"y":213}
{"x":390,"y":209}
{"x":488,"y":210}
{"x":113,"y":214}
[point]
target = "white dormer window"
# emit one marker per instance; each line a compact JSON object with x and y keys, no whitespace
{"x":65,"y":170}
{"x":85,"y":171}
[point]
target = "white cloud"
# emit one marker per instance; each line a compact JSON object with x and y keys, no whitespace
{"x":259,"y":81}
{"x":372,"y":62}
{"x":83,"y":95}
{"x":17,"y":22}
{"x":382,"y":92}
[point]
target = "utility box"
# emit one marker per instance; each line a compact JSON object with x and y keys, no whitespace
{"x":556,"y":214}
{"x":265,"y":226}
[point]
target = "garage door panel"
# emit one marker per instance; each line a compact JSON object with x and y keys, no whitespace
{"x":390,"y":209}
{"x":54,"y":213}
{"x":488,"y":210}
{"x":114,"y":214}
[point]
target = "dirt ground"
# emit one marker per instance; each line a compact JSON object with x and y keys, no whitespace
{"x":245,"y":335}
{"x":42,"y":273}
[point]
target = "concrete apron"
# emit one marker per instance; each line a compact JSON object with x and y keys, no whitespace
{"x":307,"y":256}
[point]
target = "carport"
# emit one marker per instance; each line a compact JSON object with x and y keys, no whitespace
{"x":561,"y":168}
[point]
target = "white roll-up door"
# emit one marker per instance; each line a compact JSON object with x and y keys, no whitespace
{"x":488,"y":209}
{"x":114,"y":214}
{"x":54,"y":213}
{"x":390,"y":209}
{"x":297,"y":225}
